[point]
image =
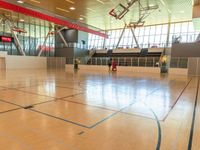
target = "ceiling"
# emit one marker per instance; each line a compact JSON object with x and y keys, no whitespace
{"x":27,"y":19}
{"x":95,"y":12}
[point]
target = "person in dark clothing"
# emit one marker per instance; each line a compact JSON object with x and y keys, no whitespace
{"x":109,"y":64}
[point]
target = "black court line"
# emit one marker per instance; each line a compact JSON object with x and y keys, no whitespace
{"x":10,"y":103}
{"x":121,"y":110}
{"x":10,"y":110}
{"x":177,"y":100}
{"x":46,"y":95}
{"x":65,"y":120}
{"x":34,"y":104}
{"x":43,"y":102}
{"x":53,"y":100}
{"x":101,"y":107}
{"x":31,"y":92}
{"x":70,"y":88}
{"x":69,"y":96}
{"x":193,"y":119}
{"x":8,"y":86}
{"x":159,"y":130}
{"x":140,"y":116}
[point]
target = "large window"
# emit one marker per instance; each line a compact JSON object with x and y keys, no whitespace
{"x":31,"y":41}
{"x":184,"y":30}
{"x":147,"y":36}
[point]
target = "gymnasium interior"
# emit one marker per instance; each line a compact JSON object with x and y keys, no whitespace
{"x":99,"y":74}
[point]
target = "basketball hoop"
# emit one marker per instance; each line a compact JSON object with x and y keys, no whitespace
{"x":18,"y":30}
{"x":136,"y":24}
{"x":51,"y":33}
{"x":119,"y":12}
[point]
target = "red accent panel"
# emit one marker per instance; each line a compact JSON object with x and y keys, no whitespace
{"x":42,"y":16}
{"x":6,"y":39}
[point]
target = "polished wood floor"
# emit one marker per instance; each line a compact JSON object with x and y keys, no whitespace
{"x":58,"y":110}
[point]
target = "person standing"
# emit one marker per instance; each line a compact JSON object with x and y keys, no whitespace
{"x":114,"y":66}
{"x":109,"y":64}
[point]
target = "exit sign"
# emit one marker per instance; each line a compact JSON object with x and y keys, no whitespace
{"x":6,"y":39}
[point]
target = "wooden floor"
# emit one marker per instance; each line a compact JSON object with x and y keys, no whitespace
{"x":58,"y":110}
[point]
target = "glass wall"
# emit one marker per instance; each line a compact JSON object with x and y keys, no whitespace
{"x":147,"y":36}
{"x":184,"y":30}
{"x":31,"y":41}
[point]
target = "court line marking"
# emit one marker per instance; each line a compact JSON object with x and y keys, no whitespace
{"x":10,"y":110}
{"x":59,"y":118}
{"x":193,"y":119}
{"x":70,"y":88}
{"x":34,"y":104}
{"x":31,"y":92}
{"x":104,"y":108}
{"x":10,"y":103}
{"x":159,"y":129}
{"x":7,"y":86}
{"x":101,"y":107}
{"x":166,"y":116}
{"x":121,"y":110}
{"x":158,"y":123}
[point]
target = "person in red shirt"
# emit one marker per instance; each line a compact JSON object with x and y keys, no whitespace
{"x":114,"y":66}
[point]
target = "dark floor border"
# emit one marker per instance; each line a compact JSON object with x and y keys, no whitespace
{"x":177,"y":100}
{"x":193,"y":119}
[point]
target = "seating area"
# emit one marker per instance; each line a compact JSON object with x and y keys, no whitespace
{"x":151,"y":52}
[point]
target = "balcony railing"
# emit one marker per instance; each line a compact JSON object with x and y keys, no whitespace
{"x":133,"y":61}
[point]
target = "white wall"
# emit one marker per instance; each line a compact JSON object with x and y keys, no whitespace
{"x":26,"y":62}
{"x":178,"y":71}
{"x":119,"y":69}
{"x":124,"y":69}
{"x":3,"y":54}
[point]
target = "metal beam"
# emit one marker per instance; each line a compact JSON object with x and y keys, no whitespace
{"x":43,"y":45}
{"x":63,"y":39}
{"x":136,"y":41}
{"x":120,"y":38}
{"x":17,"y":43}
{"x":1,"y":20}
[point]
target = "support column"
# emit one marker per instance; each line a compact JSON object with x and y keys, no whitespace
{"x":104,"y":42}
{"x":17,"y":43}
{"x":168,"y":31}
{"x":135,"y":39}
{"x":43,"y":45}
{"x":61,"y":36}
{"x":120,"y":38}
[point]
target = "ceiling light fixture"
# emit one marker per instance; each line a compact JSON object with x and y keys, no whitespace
{"x":62,"y":9}
{"x":72,"y":8}
{"x":20,"y":1}
{"x":83,"y":16}
{"x":163,"y":2}
{"x":90,"y":9}
{"x":21,"y":20}
{"x":69,"y":1}
{"x":100,"y":2}
{"x":35,"y":1}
